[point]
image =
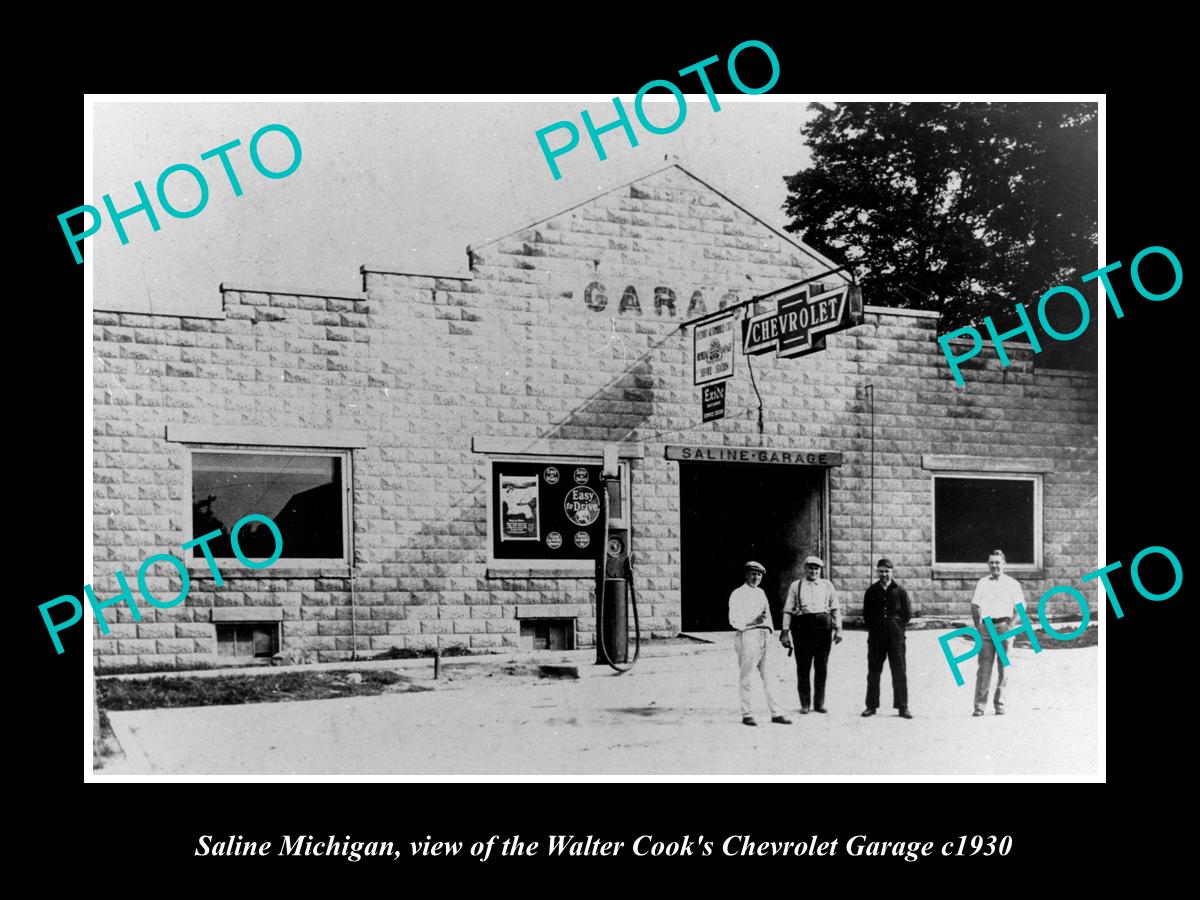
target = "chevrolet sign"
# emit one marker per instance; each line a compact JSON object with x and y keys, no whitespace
{"x":800,"y":321}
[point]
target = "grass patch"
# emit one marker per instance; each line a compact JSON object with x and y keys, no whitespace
{"x":168,"y":693}
{"x":393,"y":653}
{"x":421,"y":652}
{"x":1089,"y":638}
{"x":144,"y":668}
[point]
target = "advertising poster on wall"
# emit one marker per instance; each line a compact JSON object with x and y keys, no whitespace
{"x":545,"y":512}
{"x":714,"y":350}
{"x":518,"y":508}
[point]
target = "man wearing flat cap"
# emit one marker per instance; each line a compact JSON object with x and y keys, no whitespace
{"x":814,"y":618}
{"x":750,"y":616}
{"x":886,"y":611}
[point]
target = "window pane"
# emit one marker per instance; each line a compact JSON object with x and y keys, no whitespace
{"x":301,"y":494}
{"x":247,"y":640}
{"x":557,"y":636}
{"x":244,"y":637}
{"x":975,"y":516}
{"x":264,"y":641}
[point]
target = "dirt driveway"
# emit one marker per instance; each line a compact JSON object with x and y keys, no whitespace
{"x":672,"y":716}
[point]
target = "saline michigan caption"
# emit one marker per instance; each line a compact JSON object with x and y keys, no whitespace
{"x":645,"y":845}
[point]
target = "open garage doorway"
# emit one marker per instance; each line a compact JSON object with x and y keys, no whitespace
{"x":729,"y":513}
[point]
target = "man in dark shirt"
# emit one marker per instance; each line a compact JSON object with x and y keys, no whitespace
{"x":886,"y":612}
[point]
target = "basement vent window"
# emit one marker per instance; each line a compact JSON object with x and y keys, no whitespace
{"x":248,"y":640}
{"x":547,"y":634}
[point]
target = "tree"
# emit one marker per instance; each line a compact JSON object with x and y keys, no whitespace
{"x":966,"y":208}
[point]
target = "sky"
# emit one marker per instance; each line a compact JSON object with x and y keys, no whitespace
{"x":404,"y":186}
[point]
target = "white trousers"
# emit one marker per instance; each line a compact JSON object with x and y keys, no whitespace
{"x":751,"y":647}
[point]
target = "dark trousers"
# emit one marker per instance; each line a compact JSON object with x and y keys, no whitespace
{"x":886,"y":641}
{"x":812,"y":636}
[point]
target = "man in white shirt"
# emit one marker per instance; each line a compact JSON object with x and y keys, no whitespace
{"x":750,"y":616}
{"x":996,"y":597}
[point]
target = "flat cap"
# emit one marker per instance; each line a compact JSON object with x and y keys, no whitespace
{"x":814,"y":561}
{"x":756,"y":566}
{"x":884,"y":563}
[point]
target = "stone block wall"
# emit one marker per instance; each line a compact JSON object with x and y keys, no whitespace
{"x":565,"y":331}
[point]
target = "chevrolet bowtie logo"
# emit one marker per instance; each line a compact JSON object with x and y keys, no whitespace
{"x":801,"y":320}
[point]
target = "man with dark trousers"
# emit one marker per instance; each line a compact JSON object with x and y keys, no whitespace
{"x":812,"y":613}
{"x":886,"y":611}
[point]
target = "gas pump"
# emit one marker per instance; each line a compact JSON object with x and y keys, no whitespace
{"x":614,"y":578}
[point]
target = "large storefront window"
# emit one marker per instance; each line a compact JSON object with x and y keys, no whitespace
{"x":304,"y":493}
{"x":549,"y":511}
{"x":976,"y":514}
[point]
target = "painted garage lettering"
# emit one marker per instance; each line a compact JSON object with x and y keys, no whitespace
{"x":731,"y":454}
{"x":185,"y":169}
{"x":622,"y":120}
{"x":595,"y":298}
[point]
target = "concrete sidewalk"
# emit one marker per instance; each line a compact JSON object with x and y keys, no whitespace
{"x":674,"y":714}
